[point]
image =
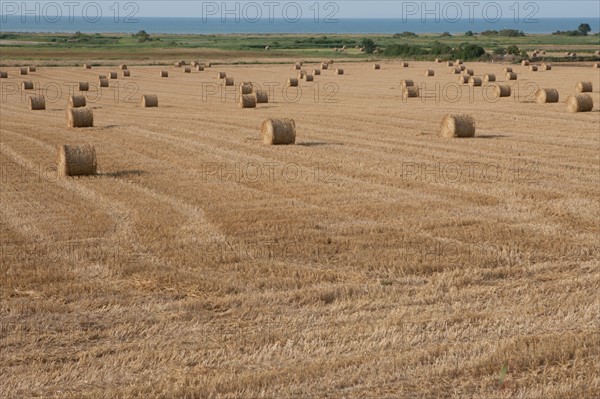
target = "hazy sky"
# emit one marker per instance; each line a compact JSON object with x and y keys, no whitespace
{"x":345,"y":8}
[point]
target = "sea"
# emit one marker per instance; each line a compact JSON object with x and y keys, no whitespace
{"x":208,"y":26}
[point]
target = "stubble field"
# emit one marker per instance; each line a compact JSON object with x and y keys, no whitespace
{"x":371,"y":259}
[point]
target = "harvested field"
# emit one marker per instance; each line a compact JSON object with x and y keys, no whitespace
{"x":373,"y":258}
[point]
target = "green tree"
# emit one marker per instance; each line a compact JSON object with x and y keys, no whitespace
{"x":369,"y":45}
{"x":469,"y":51}
{"x":142,"y":33}
{"x":513,"y":50}
{"x":142,"y":36}
{"x":469,"y":33}
{"x":584,"y":29}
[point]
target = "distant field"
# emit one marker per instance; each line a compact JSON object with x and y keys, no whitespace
{"x":54,"y":47}
{"x":371,"y":259}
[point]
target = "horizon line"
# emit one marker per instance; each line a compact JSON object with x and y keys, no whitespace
{"x":310,"y":19}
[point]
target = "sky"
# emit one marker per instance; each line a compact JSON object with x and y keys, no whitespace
{"x":337,"y":9}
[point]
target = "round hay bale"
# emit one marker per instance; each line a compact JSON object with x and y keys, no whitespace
{"x":80,"y":117}
{"x":262,"y":96}
{"x":458,"y":126}
{"x":464,"y":79}
{"x":330,"y":62}
{"x":87,"y":66}
{"x":292,"y":82}
{"x":126,"y":73}
{"x":194,"y":64}
{"x":511,"y":76}
{"x":149,"y":100}
{"x":469,"y":72}
{"x":489,"y":77}
{"x":507,"y":70}
{"x":77,"y":160}
{"x":437,"y":60}
{"x":376,"y":66}
{"x":31,"y":68}
{"x":200,"y":68}
{"x":450,"y":63}
{"x":596,"y":65}
{"x":164,"y":74}
{"x":37,"y":103}
{"x":221,"y":75}
{"x":584,"y":87}
{"x":502,"y":91}
{"x":429,"y":72}
{"x":460,"y":62}
{"x":178,"y":64}
{"x":339,"y":71}
{"x":248,"y":101}
{"x":187,"y":70}
{"x":278,"y":132}
{"x":309,"y":78}
{"x":208,"y":65}
{"x":475,"y":82}
{"x":246,"y":89}
{"x":102,"y":76}
{"x":404,"y":64}
{"x":3,"y":75}
{"x":580,"y":103}
{"x":123,"y":67}
{"x":316,"y":72}
{"x":23,"y":71}
{"x":462,"y":68}
{"x":455,"y":71}
{"x":525,"y":63}
{"x":103,"y":82}
{"x":406,"y":83}
{"x":297,"y":66}
{"x":113,"y":75}
{"x":410,"y":92}
{"x":301,"y":75}
{"x":27,"y":85}
{"x":544,"y":96}
{"x":182,"y":63}
{"x":324,"y":66}
{"x":229,"y":82}
{"x":77,"y":101}
{"x":546,"y":67}
{"x":533,"y":68}
{"x":84,"y":86}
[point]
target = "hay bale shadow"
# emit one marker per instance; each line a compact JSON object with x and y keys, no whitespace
{"x":122,"y":173}
{"x":490,"y":136}
{"x":316,"y":144}
{"x":105,"y":127}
